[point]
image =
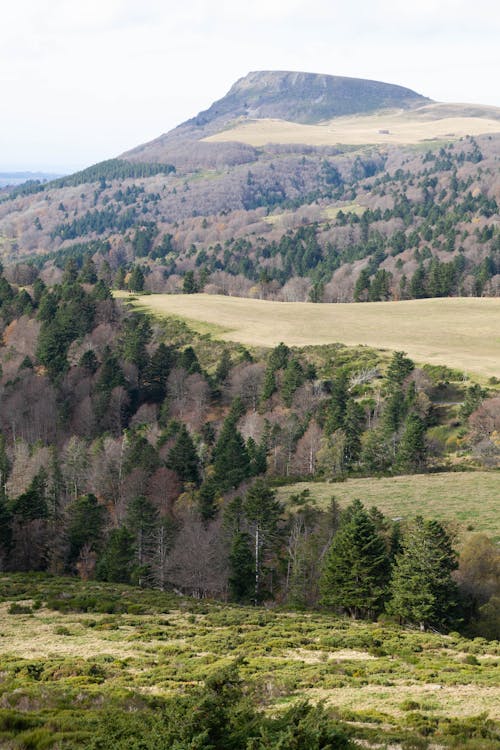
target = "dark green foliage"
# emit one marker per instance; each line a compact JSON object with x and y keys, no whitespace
{"x":356,"y":569}
{"x":262,"y":511}
{"x":354,"y":420}
{"x":156,"y":372}
{"x":230,"y":457}
{"x":422,"y":589}
{"x":88,"y":274}
{"x":111,"y":169}
{"x":85,"y":519}
{"x":293,"y":377}
{"x":65,"y":317}
{"x":32,"y":504}
{"x":136,"y":336}
{"x":399,"y":368}
{"x":189,"y":284}
{"x":136,"y":279}
{"x":117,"y":561}
{"x":207,"y":497}
{"x":139,"y":454}
{"x":336,"y":408}
{"x":241,"y":568}
{"x":412,"y":450}
{"x":183,"y":458}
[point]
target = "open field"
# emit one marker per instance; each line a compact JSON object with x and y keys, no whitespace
{"x":428,"y":123}
{"x":472,"y":499}
{"x":463,"y":333}
{"x":115,"y":646}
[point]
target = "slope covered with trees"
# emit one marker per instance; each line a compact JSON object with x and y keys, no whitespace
{"x":138,"y":452}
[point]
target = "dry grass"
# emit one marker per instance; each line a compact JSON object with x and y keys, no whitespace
{"x":432,"y":122}
{"x":463,"y":333}
{"x":471,"y":499}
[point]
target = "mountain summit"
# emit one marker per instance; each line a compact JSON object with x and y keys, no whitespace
{"x":295,"y":97}
{"x":306,"y":97}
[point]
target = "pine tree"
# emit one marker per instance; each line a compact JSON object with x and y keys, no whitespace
{"x":412,"y":450}
{"x":231,"y":459}
{"x":357,"y":568}
{"x":353,"y":427}
{"x":116,"y":564}
{"x":241,"y":568}
{"x":422,"y":589}
{"x":336,"y":407}
{"x":262,"y":511}
{"x":183,"y":458}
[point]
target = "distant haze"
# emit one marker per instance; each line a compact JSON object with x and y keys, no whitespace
{"x":86,"y":80}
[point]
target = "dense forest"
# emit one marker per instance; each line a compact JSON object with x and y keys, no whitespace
{"x":140,"y":452}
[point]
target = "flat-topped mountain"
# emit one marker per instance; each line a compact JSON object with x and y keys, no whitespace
{"x":306,"y":98}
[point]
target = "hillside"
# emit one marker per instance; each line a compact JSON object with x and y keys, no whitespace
{"x":460,"y":333}
{"x":293,"y":187}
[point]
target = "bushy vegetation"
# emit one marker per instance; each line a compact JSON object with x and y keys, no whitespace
{"x":168,"y":669}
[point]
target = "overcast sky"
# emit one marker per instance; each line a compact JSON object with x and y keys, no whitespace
{"x":84,"y":80}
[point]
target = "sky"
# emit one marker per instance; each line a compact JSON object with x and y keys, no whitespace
{"x":84,"y":80}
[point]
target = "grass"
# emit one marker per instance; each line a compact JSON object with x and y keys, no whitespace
{"x":471,"y":499}
{"x":462,"y":333}
{"x":428,"y":123}
{"x":160,"y":646}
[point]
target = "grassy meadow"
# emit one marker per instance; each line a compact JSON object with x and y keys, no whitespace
{"x":73,"y":651}
{"x":463,"y":333}
{"x":469,"y":499}
{"x":423,"y":125}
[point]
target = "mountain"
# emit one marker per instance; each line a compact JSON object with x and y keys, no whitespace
{"x":293,"y":185}
{"x":296,"y":97}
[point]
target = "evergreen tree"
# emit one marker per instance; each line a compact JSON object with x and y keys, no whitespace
{"x":412,"y":449}
{"x":262,"y":511}
{"x":207,"y":497}
{"x":336,"y":407}
{"x":353,"y":427}
{"x":32,"y":504}
{"x":241,"y":569}
{"x":293,"y":377}
{"x":356,"y":569}
{"x":116,"y":564}
{"x":136,"y":280}
{"x":231,"y":459}
{"x":85,"y":519}
{"x":399,"y":368}
{"x":183,"y":458}
{"x":422,"y":589}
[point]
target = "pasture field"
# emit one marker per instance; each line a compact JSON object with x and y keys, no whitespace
{"x":425,"y":124}
{"x":469,"y":499}
{"x":74,"y":652}
{"x":461,"y":332}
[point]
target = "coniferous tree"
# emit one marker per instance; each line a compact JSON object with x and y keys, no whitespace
{"x":422,"y":589}
{"x":85,"y":524}
{"x":412,"y":451}
{"x":231,"y":459}
{"x":356,"y":570}
{"x":262,"y":511}
{"x":183,"y":458}
{"x":116,"y":564}
{"x":241,"y":568}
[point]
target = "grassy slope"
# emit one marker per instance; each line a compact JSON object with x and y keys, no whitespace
{"x":366,"y":671}
{"x":459,"y":332}
{"x":469,"y":498}
{"x":416,"y":126}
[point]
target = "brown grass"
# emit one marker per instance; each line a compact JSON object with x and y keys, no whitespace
{"x":432,"y":122}
{"x":459,"y":332}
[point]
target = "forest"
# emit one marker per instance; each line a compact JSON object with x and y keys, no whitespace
{"x":143,"y":453}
